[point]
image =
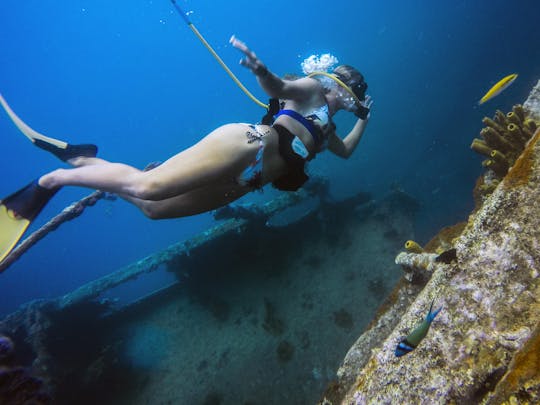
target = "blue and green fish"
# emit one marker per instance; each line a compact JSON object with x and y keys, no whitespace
{"x":410,"y":343}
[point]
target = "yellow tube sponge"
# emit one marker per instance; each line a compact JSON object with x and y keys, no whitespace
{"x":500,"y":118}
{"x":499,"y":157}
{"x":481,"y":147}
{"x":530,"y":124}
{"x":519,"y":111}
{"x":488,"y":122}
{"x":517,"y":135}
{"x":495,"y":140}
{"x":513,"y":118}
{"x":413,"y":247}
{"x":500,"y":169}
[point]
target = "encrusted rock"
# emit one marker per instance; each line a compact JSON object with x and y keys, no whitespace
{"x":483,"y":346}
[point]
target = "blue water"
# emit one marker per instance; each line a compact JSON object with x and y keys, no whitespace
{"x":132,"y":78}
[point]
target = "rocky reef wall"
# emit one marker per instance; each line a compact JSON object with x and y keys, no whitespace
{"x":483,"y":346}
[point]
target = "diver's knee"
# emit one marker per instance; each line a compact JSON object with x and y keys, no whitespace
{"x":152,"y":210}
{"x":147,"y":189}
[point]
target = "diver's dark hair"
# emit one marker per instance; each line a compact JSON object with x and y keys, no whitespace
{"x":349,"y":75}
{"x":354,"y":79}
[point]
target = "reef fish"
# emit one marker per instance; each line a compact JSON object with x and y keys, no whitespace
{"x":498,"y":88}
{"x":414,"y":338}
{"x":447,"y":256}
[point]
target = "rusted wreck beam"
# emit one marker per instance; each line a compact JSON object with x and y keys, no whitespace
{"x":150,"y":263}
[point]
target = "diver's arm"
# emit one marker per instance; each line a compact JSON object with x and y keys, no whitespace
{"x":346,"y":146}
{"x":273,"y":85}
{"x":299,"y":90}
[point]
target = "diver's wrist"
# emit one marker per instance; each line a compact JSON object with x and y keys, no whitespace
{"x":261,"y":71}
{"x":362,"y":112}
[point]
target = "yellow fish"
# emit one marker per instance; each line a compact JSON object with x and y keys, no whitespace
{"x":498,"y":88}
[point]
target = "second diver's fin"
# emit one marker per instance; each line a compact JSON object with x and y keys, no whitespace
{"x":60,"y":149}
{"x":18,"y":210}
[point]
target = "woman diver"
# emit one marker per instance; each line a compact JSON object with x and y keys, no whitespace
{"x":231,"y":161}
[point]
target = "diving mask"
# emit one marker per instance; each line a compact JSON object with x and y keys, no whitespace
{"x":359,"y":90}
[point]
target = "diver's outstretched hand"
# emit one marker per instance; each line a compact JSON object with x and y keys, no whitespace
{"x":250,"y":61}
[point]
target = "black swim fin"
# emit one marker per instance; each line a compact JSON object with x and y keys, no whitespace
{"x":62,"y":150}
{"x":18,"y":210}
{"x":69,"y":152}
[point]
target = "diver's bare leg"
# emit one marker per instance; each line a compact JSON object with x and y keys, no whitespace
{"x":191,"y":203}
{"x":80,"y":161}
{"x":217,"y":158}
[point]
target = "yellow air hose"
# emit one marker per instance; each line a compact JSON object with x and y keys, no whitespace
{"x":216,"y":56}
{"x":334,"y":78}
{"x":232,"y":75}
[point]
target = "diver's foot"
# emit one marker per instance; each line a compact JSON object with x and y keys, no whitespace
{"x":70,"y":152}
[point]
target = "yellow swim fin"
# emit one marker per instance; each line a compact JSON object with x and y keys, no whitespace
{"x":17,"y":211}
{"x":11,"y":230}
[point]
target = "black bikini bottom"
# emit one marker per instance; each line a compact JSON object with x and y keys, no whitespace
{"x":295,"y":176}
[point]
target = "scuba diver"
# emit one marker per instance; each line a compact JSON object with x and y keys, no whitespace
{"x":229,"y":162}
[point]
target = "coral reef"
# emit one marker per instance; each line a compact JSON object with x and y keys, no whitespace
{"x":483,"y":347}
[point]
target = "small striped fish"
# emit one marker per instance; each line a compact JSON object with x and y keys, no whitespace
{"x":410,"y":343}
{"x":498,"y":88}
